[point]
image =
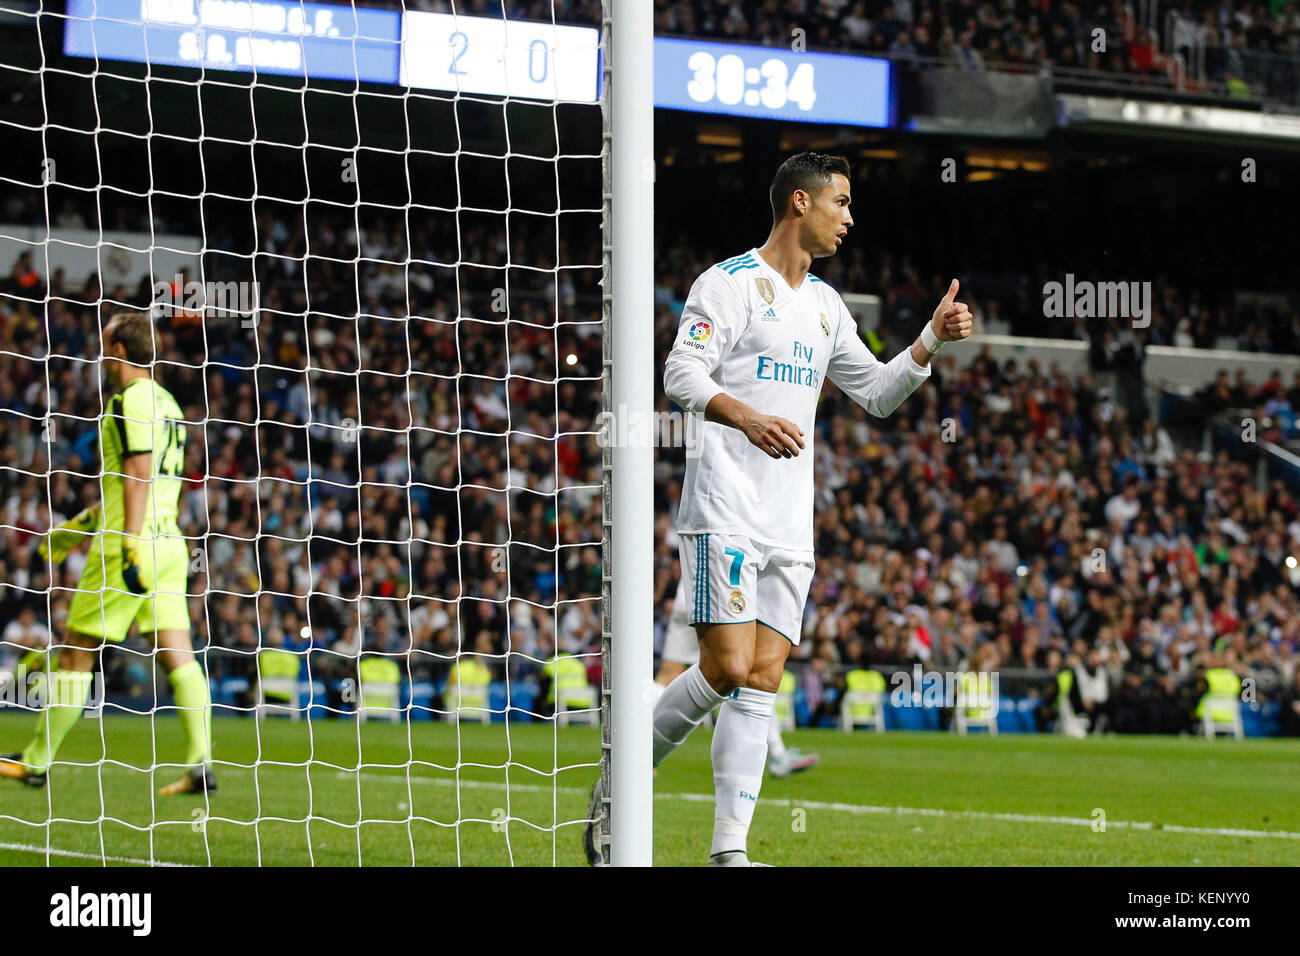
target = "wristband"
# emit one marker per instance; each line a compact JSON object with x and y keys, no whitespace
{"x":930,"y":341}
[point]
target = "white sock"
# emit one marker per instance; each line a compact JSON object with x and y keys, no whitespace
{"x":775,"y":745}
{"x":680,"y":708}
{"x":739,"y":752}
{"x":656,"y":691}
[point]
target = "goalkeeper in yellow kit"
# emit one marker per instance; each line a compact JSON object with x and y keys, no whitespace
{"x":136,"y":569}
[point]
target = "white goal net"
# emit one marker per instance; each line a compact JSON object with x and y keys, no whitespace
{"x":370,"y":241}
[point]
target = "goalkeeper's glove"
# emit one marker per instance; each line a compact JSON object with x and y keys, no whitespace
{"x":60,"y":542}
{"x":34,"y":661}
{"x":131,"y":566}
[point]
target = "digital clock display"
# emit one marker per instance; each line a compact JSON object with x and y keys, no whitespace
{"x":771,"y":83}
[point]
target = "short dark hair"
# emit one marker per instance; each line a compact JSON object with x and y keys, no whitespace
{"x":134,"y":332}
{"x":810,"y":172}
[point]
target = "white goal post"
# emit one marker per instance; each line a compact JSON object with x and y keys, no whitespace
{"x":386,"y":454}
{"x":629,"y":391}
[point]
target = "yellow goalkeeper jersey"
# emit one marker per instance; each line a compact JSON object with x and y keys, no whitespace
{"x":142,"y":418}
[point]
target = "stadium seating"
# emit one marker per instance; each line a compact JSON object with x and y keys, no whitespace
{"x":381,"y":689}
{"x":277,"y":684}
{"x":465,"y":696}
{"x":785,"y":701}
{"x":575,"y":699}
{"x":974,"y":707}
{"x":863,"y":703}
{"x":1220,"y":709}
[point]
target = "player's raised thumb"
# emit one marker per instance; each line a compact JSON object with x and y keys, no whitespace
{"x":952,"y":291}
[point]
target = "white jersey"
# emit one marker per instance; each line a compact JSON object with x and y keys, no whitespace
{"x":745,"y":332}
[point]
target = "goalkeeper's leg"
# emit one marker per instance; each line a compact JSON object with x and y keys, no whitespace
{"x":69,"y":686}
{"x":164,"y":616}
{"x":96,"y":613}
{"x":194,"y":707}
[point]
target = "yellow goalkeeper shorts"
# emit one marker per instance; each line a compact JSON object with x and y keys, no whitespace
{"x":103,"y":606}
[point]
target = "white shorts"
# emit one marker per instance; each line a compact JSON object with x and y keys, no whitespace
{"x":681,"y":644}
{"x":729,"y":579}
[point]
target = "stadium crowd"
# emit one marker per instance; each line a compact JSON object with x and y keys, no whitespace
{"x":1007,"y":517}
{"x":982,"y":34}
{"x":1014,"y":35}
{"x":1082,"y":537}
{"x":302,"y":438}
{"x":979,"y":34}
{"x":1181,"y":314}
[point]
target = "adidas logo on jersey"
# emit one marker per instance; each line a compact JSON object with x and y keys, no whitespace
{"x":771,"y":316}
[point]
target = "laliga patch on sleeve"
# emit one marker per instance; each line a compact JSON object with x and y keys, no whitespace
{"x":697,"y":334}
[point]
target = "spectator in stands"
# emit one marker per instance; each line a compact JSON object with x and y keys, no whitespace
{"x":1290,"y":719}
{"x":24,"y":281}
{"x":1093,"y":684}
{"x":968,"y":58}
{"x":1122,"y":508}
{"x":23,"y":634}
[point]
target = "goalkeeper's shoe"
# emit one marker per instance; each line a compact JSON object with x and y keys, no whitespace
{"x":13,"y":768}
{"x":793,"y":761}
{"x":733,"y":858}
{"x":196,"y":780}
{"x":591,"y":832}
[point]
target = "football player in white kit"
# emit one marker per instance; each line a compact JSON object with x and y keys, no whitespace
{"x":758,"y":336}
{"x":682,"y":649}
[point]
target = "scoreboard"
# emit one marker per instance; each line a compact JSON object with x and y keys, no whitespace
{"x":488,"y":56}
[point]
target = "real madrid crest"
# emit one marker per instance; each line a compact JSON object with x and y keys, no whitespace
{"x":737,"y":602}
{"x":765,"y":289}
{"x":826,"y":326}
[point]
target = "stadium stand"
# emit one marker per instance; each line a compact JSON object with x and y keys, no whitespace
{"x":1232,"y":50}
{"x":1051,"y":471}
{"x":1229,"y":50}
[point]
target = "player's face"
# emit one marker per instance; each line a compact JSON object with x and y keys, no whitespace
{"x":828,"y":219}
{"x":113,"y":355}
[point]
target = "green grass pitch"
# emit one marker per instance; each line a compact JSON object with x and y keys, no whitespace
{"x":896,"y":799}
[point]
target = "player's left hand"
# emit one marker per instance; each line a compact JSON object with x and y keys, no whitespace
{"x":952,"y":320}
{"x":60,"y":542}
{"x":131,"y":566}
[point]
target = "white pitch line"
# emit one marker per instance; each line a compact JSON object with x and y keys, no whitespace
{"x":53,"y":851}
{"x":862,"y":809}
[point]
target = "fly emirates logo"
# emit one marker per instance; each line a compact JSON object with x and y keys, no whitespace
{"x":798,"y":372}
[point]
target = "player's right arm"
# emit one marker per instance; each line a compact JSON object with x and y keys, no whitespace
{"x":138,"y":426}
{"x":712,"y":320}
{"x":779,"y":437}
{"x":137,"y":473}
